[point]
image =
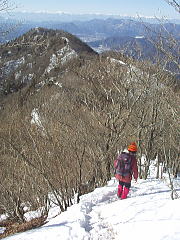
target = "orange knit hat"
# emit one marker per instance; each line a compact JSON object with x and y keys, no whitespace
{"x":132,"y":147}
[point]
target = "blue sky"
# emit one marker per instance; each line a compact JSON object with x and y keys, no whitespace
{"x":120,"y":7}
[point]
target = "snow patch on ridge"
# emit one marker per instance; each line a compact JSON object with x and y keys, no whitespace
{"x":12,"y":65}
{"x":36,"y":118}
{"x":61,"y":56}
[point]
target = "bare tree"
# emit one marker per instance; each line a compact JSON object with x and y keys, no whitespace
{"x":174,"y":4}
{"x":5,"y":5}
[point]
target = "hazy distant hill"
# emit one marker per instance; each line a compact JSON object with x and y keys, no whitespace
{"x":133,"y":46}
{"x":68,"y":17}
{"x":98,"y":28}
{"x":143,"y":48}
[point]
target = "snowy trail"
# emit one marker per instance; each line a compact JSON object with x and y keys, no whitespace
{"x":112,"y":218}
{"x":148,"y":213}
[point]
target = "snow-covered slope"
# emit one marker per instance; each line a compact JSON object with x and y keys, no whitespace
{"x":148,"y":213}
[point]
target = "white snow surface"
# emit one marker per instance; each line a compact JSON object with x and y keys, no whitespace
{"x":148,"y":213}
{"x":35,"y":117}
{"x":113,"y":60}
{"x":139,"y":37}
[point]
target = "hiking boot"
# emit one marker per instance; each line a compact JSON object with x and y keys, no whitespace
{"x":120,"y":189}
{"x":125,"y":193}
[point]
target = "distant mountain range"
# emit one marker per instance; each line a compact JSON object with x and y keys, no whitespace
{"x":42,"y":16}
{"x":95,"y":29}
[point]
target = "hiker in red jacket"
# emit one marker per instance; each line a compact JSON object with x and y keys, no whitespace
{"x":125,"y":166}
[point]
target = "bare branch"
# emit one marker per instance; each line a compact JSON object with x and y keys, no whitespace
{"x":174,"y":4}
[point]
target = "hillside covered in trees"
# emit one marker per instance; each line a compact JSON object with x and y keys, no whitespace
{"x":65,"y":111}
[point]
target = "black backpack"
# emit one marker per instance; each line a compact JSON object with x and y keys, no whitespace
{"x":123,"y":164}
